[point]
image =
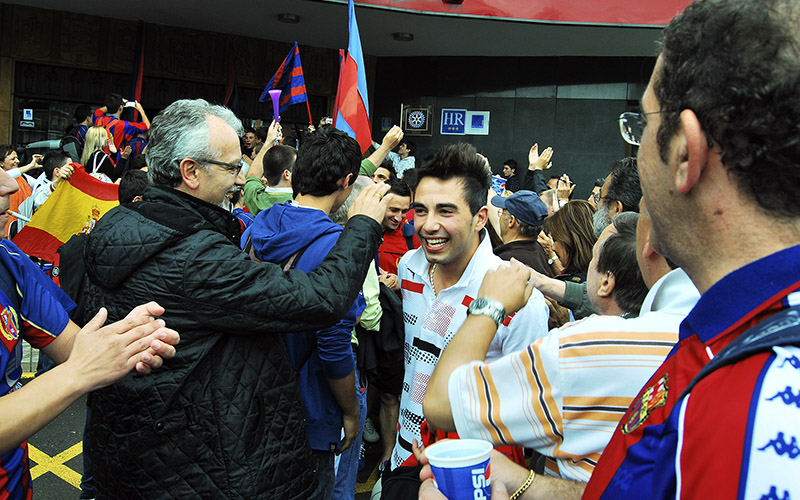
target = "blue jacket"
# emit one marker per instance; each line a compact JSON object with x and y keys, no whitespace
{"x":278,"y":233}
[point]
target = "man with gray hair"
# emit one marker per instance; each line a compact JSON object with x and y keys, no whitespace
{"x":620,"y":192}
{"x":222,"y":419}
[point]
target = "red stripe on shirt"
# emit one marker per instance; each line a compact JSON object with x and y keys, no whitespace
{"x":412,"y":286}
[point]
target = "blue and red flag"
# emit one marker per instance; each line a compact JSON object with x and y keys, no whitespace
{"x":289,"y":79}
{"x":352,"y":104}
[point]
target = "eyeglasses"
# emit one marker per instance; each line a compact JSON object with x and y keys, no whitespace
{"x":631,"y":126}
{"x":233,"y":168}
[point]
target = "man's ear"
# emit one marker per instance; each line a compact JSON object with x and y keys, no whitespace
{"x":345,"y":181}
{"x":606,"y":285}
{"x":287,"y":175}
{"x":647,"y":248}
{"x":512,"y":221}
{"x":615,"y":208}
{"x":692,"y":154}
{"x":189,"y":170}
{"x":482,"y":218}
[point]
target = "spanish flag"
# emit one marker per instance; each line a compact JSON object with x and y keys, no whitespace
{"x":74,"y":207}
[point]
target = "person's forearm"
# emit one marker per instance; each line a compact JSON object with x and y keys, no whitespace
{"x":38,"y":402}
{"x":144,"y":118}
{"x":553,"y":488}
{"x":470,"y":343}
{"x":27,"y":167}
{"x":344,"y":391}
{"x":513,"y":476}
{"x":257,"y":165}
{"x":557,"y":267}
{"x":58,"y":350}
{"x":533,"y":180}
{"x":551,"y":287}
{"x":379,"y":155}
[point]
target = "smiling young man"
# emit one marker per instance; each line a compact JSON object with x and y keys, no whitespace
{"x":397,"y":233}
{"x":440,"y":279}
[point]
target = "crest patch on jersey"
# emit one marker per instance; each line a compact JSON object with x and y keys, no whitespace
{"x":652,"y":398}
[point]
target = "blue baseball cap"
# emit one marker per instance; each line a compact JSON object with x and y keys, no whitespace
{"x":526,"y":206}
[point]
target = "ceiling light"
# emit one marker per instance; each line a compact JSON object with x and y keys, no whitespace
{"x":289,"y":18}
{"x":403,"y":37}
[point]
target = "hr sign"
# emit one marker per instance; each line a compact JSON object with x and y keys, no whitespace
{"x":463,"y":122}
{"x":453,"y":121}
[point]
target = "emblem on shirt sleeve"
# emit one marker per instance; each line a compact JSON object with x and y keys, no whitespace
{"x":652,"y":398}
{"x":10,"y":327}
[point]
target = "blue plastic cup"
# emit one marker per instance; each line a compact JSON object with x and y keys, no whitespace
{"x":461,"y":468}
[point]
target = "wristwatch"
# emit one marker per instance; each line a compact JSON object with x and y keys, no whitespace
{"x":552,"y":259}
{"x":488,"y":307}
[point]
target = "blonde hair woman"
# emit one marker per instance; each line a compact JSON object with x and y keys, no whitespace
{"x":96,"y":161}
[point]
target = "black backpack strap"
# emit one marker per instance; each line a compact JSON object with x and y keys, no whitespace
{"x":782,"y":328}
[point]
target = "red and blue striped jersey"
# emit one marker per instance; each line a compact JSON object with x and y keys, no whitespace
{"x":32,"y":308}
{"x":121,"y":131}
{"x":735,"y":435}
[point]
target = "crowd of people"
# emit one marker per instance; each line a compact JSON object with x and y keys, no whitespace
{"x":641,"y":343}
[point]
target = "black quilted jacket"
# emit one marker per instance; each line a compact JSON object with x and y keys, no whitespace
{"x":223,"y":418}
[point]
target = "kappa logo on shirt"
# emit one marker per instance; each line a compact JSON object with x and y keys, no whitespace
{"x":653,"y":397}
{"x":9,"y":327}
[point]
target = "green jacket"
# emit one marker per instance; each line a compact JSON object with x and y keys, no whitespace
{"x":256,"y":198}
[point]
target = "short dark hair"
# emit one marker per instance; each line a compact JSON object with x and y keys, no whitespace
{"x":326,"y":156}
{"x":388,"y":165}
{"x":735,"y":64}
{"x":276,"y":160}
{"x":113,"y":102}
{"x":624,"y":184}
{"x":5,"y":150}
{"x":512,"y":164}
{"x":412,"y":147}
{"x":261,"y":133}
{"x":132,"y":185}
{"x":398,"y":187}
{"x":618,"y":256}
{"x":52,"y":161}
{"x":528,"y":231}
{"x":460,"y":161}
{"x":410,"y":178}
{"x":82,"y":112}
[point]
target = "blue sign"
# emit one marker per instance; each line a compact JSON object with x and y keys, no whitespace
{"x":454,"y":121}
{"x":386,"y":124}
